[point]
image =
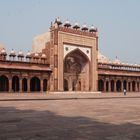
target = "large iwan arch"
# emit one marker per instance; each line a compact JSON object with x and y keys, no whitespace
{"x":76,"y":71}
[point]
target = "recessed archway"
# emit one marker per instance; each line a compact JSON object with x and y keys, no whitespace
{"x":4,"y":83}
{"x":35,"y":84}
{"x":100,"y":85}
{"x":118,"y":86}
{"x":133,"y":86}
{"x":15,"y":83}
{"x":107,"y":86}
{"x":45,"y":85}
{"x":124,"y":84}
{"x":76,"y":66}
{"x":65,"y":85}
{"x":24,"y":85}
{"x":112,"y":85}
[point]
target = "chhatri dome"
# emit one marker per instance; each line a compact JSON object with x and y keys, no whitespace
{"x":116,"y":61}
{"x":102,"y":58}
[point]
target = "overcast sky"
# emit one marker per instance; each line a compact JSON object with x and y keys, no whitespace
{"x":118,"y":22}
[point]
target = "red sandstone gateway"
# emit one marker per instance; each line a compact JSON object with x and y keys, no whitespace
{"x":66,"y":59}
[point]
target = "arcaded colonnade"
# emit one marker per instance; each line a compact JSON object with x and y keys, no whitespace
{"x":118,"y":84}
{"x":16,"y":83}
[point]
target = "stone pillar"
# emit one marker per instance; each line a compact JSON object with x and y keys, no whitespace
{"x":104,"y":85}
{"x":41,"y":85}
{"x":136,"y":87}
{"x":126,"y":85}
{"x":130,"y":86}
{"x":122,"y":86}
{"x":28,"y":85}
{"x":20,"y":84}
{"x":10,"y":84}
{"x":114,"y":85}
{"x":109,"y":86}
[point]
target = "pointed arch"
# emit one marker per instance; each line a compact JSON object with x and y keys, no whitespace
{"x":35,"y":84}
{"x":76,"y":64}
{"x":15,"y":83}
{"x":100,"y":85}
{"x":24,"y":85}
{"x":118,"y":86}
{"x":4,"y":83}
{"x":45,"y":85}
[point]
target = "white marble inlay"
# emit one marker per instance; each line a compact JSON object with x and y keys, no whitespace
{"x":69,"y":48}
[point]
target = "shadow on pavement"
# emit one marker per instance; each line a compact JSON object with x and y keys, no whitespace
{"x":18,"y":124}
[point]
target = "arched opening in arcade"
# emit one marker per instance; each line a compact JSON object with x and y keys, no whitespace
{"x":107,"y":86}
{"x":137,"y":86}
{"x":133,"y":86}
{"x":24,"y":85}
{"x":35,"y":84}
{"x":15,"y":84}
{"x":112,"y":85}
{"x":65,"y":85}
{"x":100,"y":85}
{"x":4,"y":83}
{"x":118,"y":86}
{"x":45,"y":85}
{"x":124,"y":85}
{"x":76,"y":71}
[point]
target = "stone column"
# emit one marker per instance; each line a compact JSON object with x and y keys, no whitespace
{"x":20,"y":84}
{"x":10,"y":84}
{"x":114,"y":85}
{"x":126,"y":85}
{"x":109,"y":86}
{"x":136,"y":87}
{"x":28,"y":85}
{"x":104,"y":85}
{"x":130,"y":86}
{"x":41,"y":85}
{"x":122,"y":86}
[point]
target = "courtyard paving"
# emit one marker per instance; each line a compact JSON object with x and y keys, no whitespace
{"x":73,"y":119}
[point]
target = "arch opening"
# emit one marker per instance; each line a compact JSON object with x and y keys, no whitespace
{"x":118,"y":86}
{"x":100,"y":85}
{"x":45,"y":85}
{"x":112,"y":85}
{"x":15,"y":84}
{"x":4,"y":83}
{"x":76,"y":67}
{"x":35,"y":84}
{"x":133,"y":86}
{"x":24,"y":85}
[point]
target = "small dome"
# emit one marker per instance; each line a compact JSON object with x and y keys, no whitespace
{"x":28,"y":54}
{"x":102,"y":58}
{"x":84,"y":27}
{"x":43,"y":56}
{"x":76,"y":25}
{"x":93,"y":29}
{"x":3,"y":52}
{"x":58,"y":21}
{"x":116,"y":61}
{"x":36,"y":55}
{"x":67,"y":23}
{"x":20,"y":54}
{"x":12,"y":53}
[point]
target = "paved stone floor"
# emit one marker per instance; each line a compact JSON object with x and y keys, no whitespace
{"x":82,"y":119}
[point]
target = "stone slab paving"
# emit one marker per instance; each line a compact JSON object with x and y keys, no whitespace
{"x":64,"y":95}
{"x":83,"y":119}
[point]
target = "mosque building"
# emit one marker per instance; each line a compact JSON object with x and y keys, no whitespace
{"x":66,"y":59}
